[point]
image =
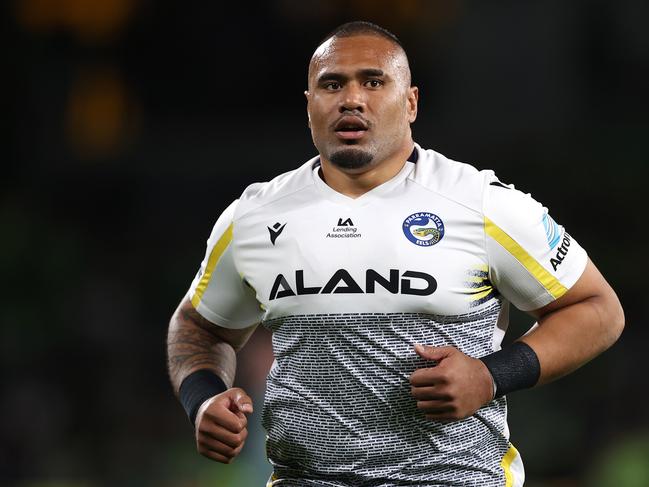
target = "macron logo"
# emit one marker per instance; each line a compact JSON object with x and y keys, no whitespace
{"x":275,"y":231}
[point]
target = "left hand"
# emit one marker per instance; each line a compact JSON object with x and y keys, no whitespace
{"x":455,"y":388}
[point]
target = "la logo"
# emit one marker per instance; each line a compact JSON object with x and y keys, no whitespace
{"x":346,"y":223}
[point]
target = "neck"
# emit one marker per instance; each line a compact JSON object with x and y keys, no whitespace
{"x":354,"y":183}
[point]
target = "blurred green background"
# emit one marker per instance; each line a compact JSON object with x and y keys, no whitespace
{"x":131,"y":124}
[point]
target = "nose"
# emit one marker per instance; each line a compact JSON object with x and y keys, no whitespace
{"x":352,"y":98}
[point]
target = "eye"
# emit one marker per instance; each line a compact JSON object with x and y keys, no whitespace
{"x":332,"y":86}
{"x":374,"y":83}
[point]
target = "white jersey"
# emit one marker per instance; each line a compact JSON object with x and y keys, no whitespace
{"x":349,"y":286}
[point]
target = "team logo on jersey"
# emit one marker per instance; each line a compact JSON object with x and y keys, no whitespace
{"x":275,"y":231}
{"x":552,"y":231}
{"x":424,"y":229}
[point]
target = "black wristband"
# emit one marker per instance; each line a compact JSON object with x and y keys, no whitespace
{"x":514,"y":367}
{"x":197,"y":388}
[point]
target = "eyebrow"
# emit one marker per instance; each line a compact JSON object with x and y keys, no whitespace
{"x":333,"y":76}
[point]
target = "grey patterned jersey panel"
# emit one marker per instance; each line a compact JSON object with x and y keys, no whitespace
{"x":338,"y":408}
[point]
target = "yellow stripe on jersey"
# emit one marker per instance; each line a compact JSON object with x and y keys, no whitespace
{"x":215,"y":256}
{"x":271,"y":480}
{"x":547,"y":280}
{"x":506,"y":464}
{"x":481,"y":292}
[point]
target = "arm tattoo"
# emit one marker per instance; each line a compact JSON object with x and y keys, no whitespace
{"x":192,"y":344}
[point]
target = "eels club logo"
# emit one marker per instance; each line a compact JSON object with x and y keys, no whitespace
{"x":424,"y":229}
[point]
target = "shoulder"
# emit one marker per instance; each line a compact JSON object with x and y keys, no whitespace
{"x":509,"y":207}
{"x":259,"y":195}
{"x":457,"y":181}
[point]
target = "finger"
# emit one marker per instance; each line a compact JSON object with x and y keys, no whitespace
{"x":429,"y":393}
{"x":433,"y":353}
{"x":243,"y":418}
{"x":238,"y":449}
{"x":224,"y":436}
{"x":427,"y":377}
{"x":227,"y":452}
{"x":205,"y":442}
{"x":217,"y":457}
{"x":243,"y":402}
{"x":223,"y":417}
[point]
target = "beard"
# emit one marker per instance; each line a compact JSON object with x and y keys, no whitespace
{"x":351,"y":158}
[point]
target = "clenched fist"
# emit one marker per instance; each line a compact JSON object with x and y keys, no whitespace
{"x":221,"y":425}
{"x":453,"y":389}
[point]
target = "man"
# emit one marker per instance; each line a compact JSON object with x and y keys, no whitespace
{"x":384,"y":272}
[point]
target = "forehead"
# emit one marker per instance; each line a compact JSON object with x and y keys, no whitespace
{"x":357,"y":52}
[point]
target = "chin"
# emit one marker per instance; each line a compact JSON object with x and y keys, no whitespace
{"x":351,"y":158}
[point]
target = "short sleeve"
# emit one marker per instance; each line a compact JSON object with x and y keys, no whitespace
{"x":532,"y":260}
{"x":218,"y":291}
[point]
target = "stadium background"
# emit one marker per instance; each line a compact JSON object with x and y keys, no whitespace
{"x":130,"y":124}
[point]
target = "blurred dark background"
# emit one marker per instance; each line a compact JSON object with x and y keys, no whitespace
{"x":130,"y":124}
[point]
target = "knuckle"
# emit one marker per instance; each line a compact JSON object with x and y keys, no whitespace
{"x":444,"y":377}
{"x":237,"y":391}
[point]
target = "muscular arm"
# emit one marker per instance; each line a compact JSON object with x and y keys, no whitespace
{"x":577,"y":327}
{"x":572,"y":330}
{"x":194,"y":343}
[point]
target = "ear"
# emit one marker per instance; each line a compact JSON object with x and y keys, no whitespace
{"x":413,"y":99}
{"x":308,"y":100}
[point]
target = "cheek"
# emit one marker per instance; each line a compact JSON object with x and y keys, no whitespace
{"x":318,"y":117}
{"x":317,"y":125}
{"x":315,"y":111}
{"x":394,"y":114}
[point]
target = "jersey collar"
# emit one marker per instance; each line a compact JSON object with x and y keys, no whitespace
{"x":365,"y":198}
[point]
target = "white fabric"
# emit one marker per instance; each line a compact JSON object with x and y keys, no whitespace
{"x":348,"y":286}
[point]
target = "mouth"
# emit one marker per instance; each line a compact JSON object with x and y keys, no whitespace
{"x":350,"y":127}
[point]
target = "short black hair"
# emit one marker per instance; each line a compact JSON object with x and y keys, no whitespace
{"x":362,"y":27}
